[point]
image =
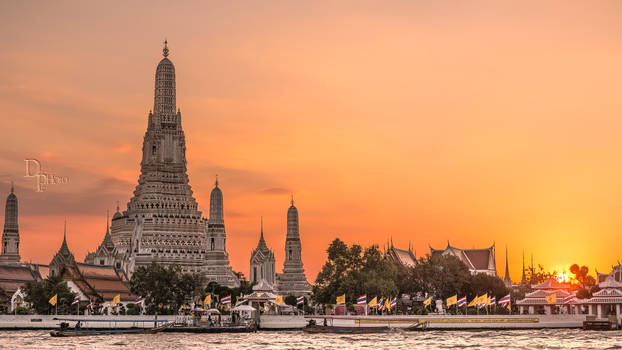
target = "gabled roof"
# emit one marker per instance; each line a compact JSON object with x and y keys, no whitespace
{"x":474,"y":259}
{"x":609,"y":282}
{"x":97,"y":281}
{"x":403,"y":257}
{"x":12,"y":277}
{"x":551,"y":284}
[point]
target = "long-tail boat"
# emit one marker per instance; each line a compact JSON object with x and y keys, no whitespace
{"x":79,"y":331}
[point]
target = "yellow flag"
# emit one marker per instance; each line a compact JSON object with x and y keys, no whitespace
{"x":279,"y":300}
{"x":53,"y":299}
{"x":207,"y":301}
{"x":551,"y":299}
{"x":116,"y":299}
{"x":452,"y":300}
{"x":427,"y":302}
{"x":341,"y":299}
{"x":473,"y":302}
{"x":387,"y":304}
{"x":373,"y":302}
{"x":483,"y":300}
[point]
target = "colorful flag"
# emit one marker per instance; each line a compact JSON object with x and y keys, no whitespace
{"x":278,"y":300}
{"x":226,"y":300}
{"x":90,"y":305}
{"x":300,"y":300}
{"x":427,"y":302}
{"x":387,"y":304}
{"x":380,"y":303}
{"x":474,"y":302}
{"x":393,"y":303}
{"x":139,"y":301}
{"x":75,"y":300}
{"x":341,"y":299}
{"x":551,"y":299}
{"x":53,"y":299}
{"x":461,"y":302}
{"x":207,"y":301}
{"x":452,"y":300}
{"x":504,"y":300}
{"x":568,"y":299}
{"x":493,"y":301}
{"x":116,"y":299}
{"x":373,"y":302}
{"x":362,"y":299}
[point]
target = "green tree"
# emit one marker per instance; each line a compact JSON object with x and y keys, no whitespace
{"x":38,"y":294}
{"x":159,"y":286}
{"x":353,"y":271}
{"x":440,"y":276}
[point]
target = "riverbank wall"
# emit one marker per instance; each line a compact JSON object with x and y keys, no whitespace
{"x":290,"y":322}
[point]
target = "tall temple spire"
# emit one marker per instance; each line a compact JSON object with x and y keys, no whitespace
{"x":524,"y":277}
{"x":293,"y":279}
{"x":10,"y":235}
{"x":261,"y":237}
{"x":507,"y":280}
{"x":107,"y":221}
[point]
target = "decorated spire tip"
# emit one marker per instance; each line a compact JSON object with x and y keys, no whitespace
{"x":165,"y":49}
{"x":216,"y":180}
{"x":12,"y":186}
{"x":117,"y":206}
{"x":292,"y":199}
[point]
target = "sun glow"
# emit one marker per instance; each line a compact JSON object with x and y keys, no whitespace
{"x":562,"y":277}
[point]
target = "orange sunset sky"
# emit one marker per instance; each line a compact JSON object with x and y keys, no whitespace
{"x":425,"y":121}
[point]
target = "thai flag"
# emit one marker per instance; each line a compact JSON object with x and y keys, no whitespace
{"x":462,"y":301}
{"x":75,"y":300}
{"x":504,"y":300}
{"x":493,"y":300}
{"x":226,"y":300}
{"x":393,"y":302}
{"x":568,"y":299}
{"x":139,"y":301}
{"x":362,"y":299}
{"x":90,"y":305}
{"x":300,"y":300}
{"x":380,"y":303}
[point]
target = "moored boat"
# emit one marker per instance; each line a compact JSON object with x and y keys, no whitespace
{"x":79,"y":331}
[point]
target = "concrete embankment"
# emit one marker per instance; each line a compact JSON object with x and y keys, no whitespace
{"x":287,"y":322}
{"x":48,"y":322}
{"x":458,"y":321}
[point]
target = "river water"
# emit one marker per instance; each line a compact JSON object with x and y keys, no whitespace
{"x":511,"y":339}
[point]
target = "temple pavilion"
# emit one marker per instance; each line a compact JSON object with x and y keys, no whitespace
{"x":536,"y":302}
{"x":606,"y":302}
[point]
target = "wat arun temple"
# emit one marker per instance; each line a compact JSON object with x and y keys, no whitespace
{"x":162,"y":223}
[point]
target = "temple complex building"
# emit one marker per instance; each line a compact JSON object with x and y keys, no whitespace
{"x":106,"y":254}
{"x":262,"y":263}
{"x":63,"y":257}
{"x":293,"y":279}
{"x":402,"y":257}
{"x":477,"y":260}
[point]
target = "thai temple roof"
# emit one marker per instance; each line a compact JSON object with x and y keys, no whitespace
{"x":475,"y":259}
{"x":551,"y":284}
{"x":98,"y":281}
{"x":12,"y":277}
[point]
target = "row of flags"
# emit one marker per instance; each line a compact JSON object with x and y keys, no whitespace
{"x":382,"y":304}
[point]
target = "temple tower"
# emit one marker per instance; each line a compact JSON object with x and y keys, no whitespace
{"x":293,"y":279}
{"x":10,"y":235}
{"x":162,"y":222}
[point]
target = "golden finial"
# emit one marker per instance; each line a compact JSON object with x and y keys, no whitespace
{"x":165,"y":50}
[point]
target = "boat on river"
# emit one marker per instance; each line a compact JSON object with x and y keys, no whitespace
{"x":83,"y":327}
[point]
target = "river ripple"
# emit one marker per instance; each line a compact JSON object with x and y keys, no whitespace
{"x":514,"y":339}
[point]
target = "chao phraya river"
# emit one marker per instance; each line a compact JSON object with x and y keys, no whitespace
{"x":514,"y":339}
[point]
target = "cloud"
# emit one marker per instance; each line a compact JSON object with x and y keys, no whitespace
{"x":275,"y":191}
